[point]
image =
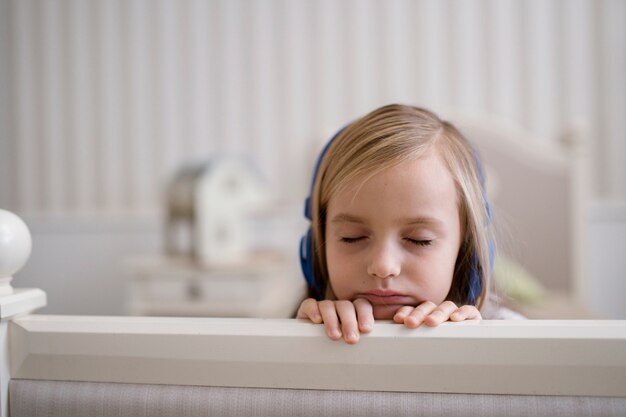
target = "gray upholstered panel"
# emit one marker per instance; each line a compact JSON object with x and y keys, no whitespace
{"x":30,"y":398}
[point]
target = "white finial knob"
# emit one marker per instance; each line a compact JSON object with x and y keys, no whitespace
{"x":15,"y":247}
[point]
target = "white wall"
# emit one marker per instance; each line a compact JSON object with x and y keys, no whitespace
{"x":81,"y":263}
{"x":100,"y":101}
{"x":606,"y":258}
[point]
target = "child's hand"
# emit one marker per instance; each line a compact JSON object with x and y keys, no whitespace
{"x":432,"y":315}
{"x":349,"y":319}
{"x":341,"y":317}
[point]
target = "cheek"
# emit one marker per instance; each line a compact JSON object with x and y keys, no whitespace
{"x":342,"y":269}
{"x":434,"y":275}
{"x":437,"y":290}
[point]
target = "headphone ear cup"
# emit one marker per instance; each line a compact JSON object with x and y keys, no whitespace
{"x":475,"y":280}
{"x":304,"y":253}
{"x":475,"y":275}
{"x":306,"y":262}
{"x":306,"y":248}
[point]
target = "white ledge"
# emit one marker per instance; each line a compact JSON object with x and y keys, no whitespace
{"x":21,"y":301}
{"x":491,"y":357}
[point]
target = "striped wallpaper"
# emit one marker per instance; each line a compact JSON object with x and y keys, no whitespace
{"x":100,"y":101}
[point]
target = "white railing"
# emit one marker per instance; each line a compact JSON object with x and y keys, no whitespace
{"x":492,"y":357}
{"x":580,"y":358}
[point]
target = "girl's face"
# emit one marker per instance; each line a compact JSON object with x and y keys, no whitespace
{"x":393,"y":238}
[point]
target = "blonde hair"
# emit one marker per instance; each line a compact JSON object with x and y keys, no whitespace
{"x":388,"y":136}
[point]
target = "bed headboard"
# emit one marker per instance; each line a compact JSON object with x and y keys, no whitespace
{"x":535,"y":189}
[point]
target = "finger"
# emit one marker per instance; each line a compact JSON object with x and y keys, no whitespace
{"x":466,"y":312}
{"x":364,"y":314}
{"x":309,"y":310}
{"x":419,"y":313}
{"x":349,"y":324}
{"x":402,"y":314}
{"x":440,"y":314}
{"x":330,"y":318}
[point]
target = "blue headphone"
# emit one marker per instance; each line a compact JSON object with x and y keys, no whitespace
{"x":306,"y":249}
{"x":475,"y":274}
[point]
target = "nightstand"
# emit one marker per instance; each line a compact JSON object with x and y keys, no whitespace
{"x":265,"y":285}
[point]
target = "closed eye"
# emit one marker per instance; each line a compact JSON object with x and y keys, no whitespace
{"x":420,"y":242}
{"x":352,"y":239}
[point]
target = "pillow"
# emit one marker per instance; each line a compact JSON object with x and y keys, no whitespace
{"x":516,"y":283}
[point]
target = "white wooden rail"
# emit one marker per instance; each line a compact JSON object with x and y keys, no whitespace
{"x":492,"y":357}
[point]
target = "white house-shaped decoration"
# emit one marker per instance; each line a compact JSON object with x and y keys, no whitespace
{"x":215,"y":200}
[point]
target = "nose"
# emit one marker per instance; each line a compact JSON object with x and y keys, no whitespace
{"x":384,"y":261}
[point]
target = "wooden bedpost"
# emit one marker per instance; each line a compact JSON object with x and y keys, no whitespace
{"x":15,"y":247}
{"x":575,"y":142}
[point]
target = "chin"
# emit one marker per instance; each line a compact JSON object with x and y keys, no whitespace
{"x":385,"y":312}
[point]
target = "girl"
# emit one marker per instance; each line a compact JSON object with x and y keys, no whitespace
{"x":400,"y":226}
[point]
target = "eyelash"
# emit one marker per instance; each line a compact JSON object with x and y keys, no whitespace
{"x":351,"y":240}
{"x":420,"y":242}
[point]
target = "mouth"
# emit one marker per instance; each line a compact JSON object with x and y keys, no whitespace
{"x":386,"y":297}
